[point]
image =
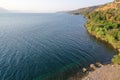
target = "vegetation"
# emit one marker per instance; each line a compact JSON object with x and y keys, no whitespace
{"x":105,"y":25}
{"x":116,"y":59}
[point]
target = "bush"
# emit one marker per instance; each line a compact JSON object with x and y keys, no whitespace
{"x":110,"y":38}
{"x":118,"y":35}
{"x":116,"y":59}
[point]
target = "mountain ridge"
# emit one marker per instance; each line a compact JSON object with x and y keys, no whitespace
{"x":3,"y":10}
{"x":84,"y":10}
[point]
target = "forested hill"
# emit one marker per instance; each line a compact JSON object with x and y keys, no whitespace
{"x":104,"y":23}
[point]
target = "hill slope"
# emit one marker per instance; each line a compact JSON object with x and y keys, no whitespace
{"x":104,"y":24}
{"x":83,"y":10}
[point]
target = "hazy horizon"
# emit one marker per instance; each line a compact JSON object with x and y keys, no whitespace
{"x":48,"y":6}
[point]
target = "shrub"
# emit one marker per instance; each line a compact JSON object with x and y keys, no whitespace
{"x":118,"y":35}
{"x":116,"y":59}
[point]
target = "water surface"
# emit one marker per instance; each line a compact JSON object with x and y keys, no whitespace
{"x":46,"y":46}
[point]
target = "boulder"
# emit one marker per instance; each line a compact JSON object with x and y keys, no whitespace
{"x":92,"y":67}
{"x":119,"y":50}
{"x":84,"y":70}
{"x":98,"y":64}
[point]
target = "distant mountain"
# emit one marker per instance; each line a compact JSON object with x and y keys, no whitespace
{"x":3,"y":10}
{"x":84,"y":10}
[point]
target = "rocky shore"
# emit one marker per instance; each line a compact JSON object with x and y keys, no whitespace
{"x":99,"y":72}
{"x":106,"y":72}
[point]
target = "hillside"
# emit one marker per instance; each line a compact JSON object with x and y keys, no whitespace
{"x":83,"y":10}
{"x":104,"y":24}
{"x":107,"y":6}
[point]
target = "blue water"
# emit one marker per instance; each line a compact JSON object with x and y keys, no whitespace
{"x":46,"y":46}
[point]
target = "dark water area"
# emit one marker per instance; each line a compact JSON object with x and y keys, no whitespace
{"x":46,"y":46}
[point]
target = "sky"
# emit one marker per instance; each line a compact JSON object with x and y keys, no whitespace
{"x":48,"y":5}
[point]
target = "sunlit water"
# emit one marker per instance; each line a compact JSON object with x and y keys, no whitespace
{"x":46,"y":46}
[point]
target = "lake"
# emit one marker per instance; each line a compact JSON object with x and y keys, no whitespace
{"x":46,"y":46}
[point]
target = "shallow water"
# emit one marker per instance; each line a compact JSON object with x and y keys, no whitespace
{"x":46,"y":46}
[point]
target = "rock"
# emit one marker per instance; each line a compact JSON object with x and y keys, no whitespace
{"x":98,"y":64}
{"x":119,"y":50}
{"x":112,"y":65}
{"x":84,"y":70}
{"x":92,"y":67}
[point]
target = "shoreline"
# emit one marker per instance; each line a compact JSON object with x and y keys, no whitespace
{"x":103,"y":41}
{"x":116,"y":48}
{"x":92,"y":72}
{"x":83,"y":75}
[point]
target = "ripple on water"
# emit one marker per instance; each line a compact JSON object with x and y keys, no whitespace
{"x":46,"y":46}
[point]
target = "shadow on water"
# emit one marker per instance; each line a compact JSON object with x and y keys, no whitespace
{"x":63,"y":74}
{"x":103,"y":43}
